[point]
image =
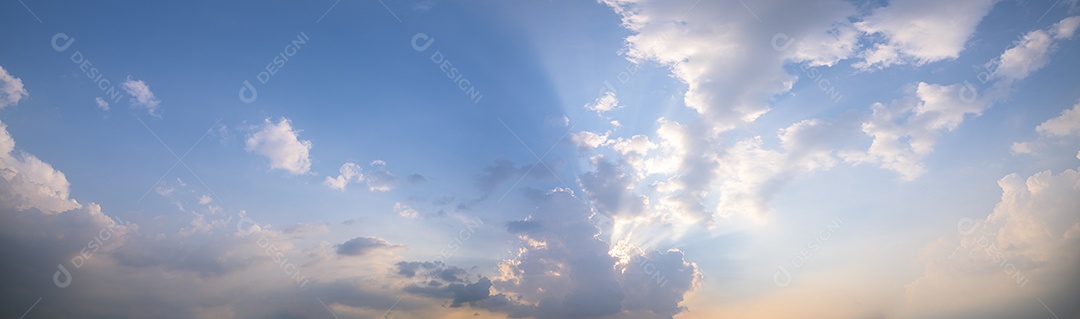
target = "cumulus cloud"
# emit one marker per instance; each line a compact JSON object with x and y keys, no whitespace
{"x":730,"y":69}
{"x":141,"y":96}
{"x":71,"y":253}
{"x":280,"y":143}
{"x":589,"y":140}
{"x":920,"y":31}
{"x":1023,"y":248}
{"x":611,"y":189}
{"x":350,"y":172}
{"x":11,"y":89}
{"x":906,"y":130}
{"x":30,"y":182}
{"x":563,"y":270}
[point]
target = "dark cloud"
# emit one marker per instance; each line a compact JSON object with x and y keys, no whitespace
{"x":503,"y":170}
{"x":567,"y":272}
{"x":362,"y":245}
{"x":415,"y":179}
{"x":522,"y":226}
{"x":610,"y":189}
{"x":470,"y":293}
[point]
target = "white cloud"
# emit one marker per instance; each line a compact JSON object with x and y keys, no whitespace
{"x":605,"y":103}
{"x":1066,"y":124}
{"x":279,"y":142}
{"x":920,"y":31}
{"x":350,"y":172}
{"x":1022,"y":148}
{"x":141,"y":96}
{"x":825,"y":48}
{"x":755,"y":174}
{"x":101,"y":103}
{"x":1053,"y":130}
{"x":1065,"y":28}
{"x":729,"y":79}
{"x":1033,"y":50}
{"x":634,"y":150}
{"x":378,"y":178}
{"x":404,"y":210}
{"x":732,"y":68}
{"x":906,"y":130}
{"x":589,"y":140}
{"x":1027,"y":56}
{"x":996,"y":264}
{"x":11,"y":89}
{"x":30,"y":183}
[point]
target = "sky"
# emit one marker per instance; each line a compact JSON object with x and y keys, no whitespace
{"x":540,"y":159}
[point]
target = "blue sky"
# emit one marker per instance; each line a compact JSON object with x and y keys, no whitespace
{"x":540,"y":159}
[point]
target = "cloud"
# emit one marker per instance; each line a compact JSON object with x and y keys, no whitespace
{"x":415,"y":179}
{"x":589,"y":140}
{"x":563,"y":270}
{"x":101,"y":103}
{"x":611,"y":189}
{"x":279,"y":142}
{"x":404,"y":210}
{"x":350,"y":172}
{"x":72,"y":253}
{"x":502,"y":170}
{"x":1066,"y":124}
{"x":30,"y":182}
{"x":379,"y":179}
{"x":11,"y":89}
{"x":920,"y":31}
{"x":362,"y":245}
{"x":141,"y":96}
{"x":1033,"y":51}
{"x":732,"y":71}
{"x":604,"y":103}
{"x":994,"y":265}
{"x":906,"y":130}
